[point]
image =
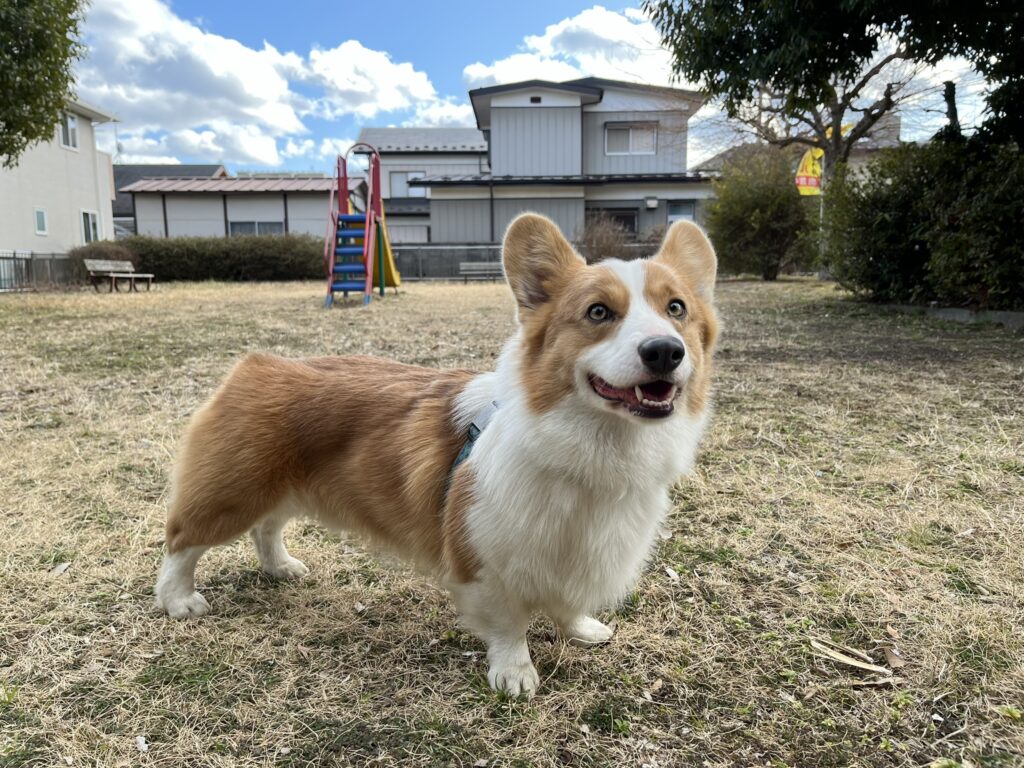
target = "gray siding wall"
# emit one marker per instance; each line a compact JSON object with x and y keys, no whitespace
{"x":536,"y":141}
{"x":567,"y":213}
{"x":671,"y":154}
{"x":468,"y":221}
{"x":460,"y":221}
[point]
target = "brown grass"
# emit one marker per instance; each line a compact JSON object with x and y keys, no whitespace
{"x":862,"y":479}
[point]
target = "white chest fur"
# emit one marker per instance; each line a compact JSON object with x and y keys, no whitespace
{"x":568,"y":503}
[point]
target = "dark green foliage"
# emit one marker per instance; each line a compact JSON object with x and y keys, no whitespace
{"x":241,"y":258}
{"x":733,"y":47}
{"x":943,"y":222}
{"x":38,"y":47}
{"x":758,"y":222}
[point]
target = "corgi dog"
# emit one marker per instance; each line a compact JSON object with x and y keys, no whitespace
{"x":536,"y":488}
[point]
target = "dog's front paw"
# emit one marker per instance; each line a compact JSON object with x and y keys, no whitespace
{"x":514,"y":679}
{"x":184,"y":606}
{"x":290,"y":568}
{"x":586,"y":631}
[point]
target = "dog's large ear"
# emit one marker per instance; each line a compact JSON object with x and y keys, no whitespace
{"x":687,"y":251}
{"x":537,"y":259}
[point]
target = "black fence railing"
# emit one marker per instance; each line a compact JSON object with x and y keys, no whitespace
{"x":28,"y":270}
{"x":430,"y":261}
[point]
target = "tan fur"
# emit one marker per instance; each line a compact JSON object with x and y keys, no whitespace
{"x":366,"y":444}
{"x":554,"y":288}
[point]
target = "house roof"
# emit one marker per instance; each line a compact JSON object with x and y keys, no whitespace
{"x":590,"y":89}
{"x":587,"y":179}
{"x":126,"y":174}
{"x":85,"y":109}
{"x":236,"y":186}
{"x":452,"y":140}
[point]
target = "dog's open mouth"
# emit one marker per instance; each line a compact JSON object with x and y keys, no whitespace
{"x":653,"y":400}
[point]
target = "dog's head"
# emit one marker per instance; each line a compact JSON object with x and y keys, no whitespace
{"x":632,"y":339}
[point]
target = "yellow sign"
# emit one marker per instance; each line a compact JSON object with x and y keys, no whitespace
{"x":808,"y":174}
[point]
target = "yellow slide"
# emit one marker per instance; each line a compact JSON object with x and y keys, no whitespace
{"x":392,"y":279}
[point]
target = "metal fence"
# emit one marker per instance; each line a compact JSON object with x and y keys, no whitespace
{"x":28,"y":270}
{"x":421,"y":261}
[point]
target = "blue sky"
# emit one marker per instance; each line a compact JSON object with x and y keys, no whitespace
{"x":286,"y":85}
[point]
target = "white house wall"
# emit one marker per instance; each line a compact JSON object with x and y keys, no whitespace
{"x":202,"y":215}
{"x":64,"y":182}
{"x":307,"y":214}
{"x":195,"y":216}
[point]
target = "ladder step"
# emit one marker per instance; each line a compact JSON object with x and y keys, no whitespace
{"x":351,"y":233}
{"x":348,"y":250}
{"x":348,"y":285}
{"x":349,"y":269}
{"x":352,"y":217}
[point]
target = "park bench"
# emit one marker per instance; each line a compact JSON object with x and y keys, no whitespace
{"x":480,"y":270}
{"x":100,"y":271}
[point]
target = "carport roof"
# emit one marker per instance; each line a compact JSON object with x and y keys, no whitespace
{"x":237,"y":186}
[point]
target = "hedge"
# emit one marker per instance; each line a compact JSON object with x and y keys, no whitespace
{"x":943,"y":222}
{"x":239,"y":258}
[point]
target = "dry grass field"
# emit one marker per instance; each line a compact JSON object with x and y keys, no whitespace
{"x":861,"y":485}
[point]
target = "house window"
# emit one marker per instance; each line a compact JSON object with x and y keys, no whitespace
{"x":256,"y":228}
{"x":681,"y":212}
{"x":90,"y":226}
{"x":42,"y":227}
{"x":69,"y":131}
{"x":400,"y":184}
{"x":625,"y":219}
{"x":631,"y":139}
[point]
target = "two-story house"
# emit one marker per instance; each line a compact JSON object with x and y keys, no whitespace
{"x":60,"y":193}
{"x":408,"y":155}
{"x":571,"y":150}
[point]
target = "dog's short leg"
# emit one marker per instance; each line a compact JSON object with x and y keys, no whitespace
{"x":583,"y":631}
{"x":176,"y":585}
{"x":501,"y":622}
{"x":274,"y":558}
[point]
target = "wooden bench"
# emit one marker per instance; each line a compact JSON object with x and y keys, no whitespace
{"x":101,"y":271}
{"x":480,"y":270}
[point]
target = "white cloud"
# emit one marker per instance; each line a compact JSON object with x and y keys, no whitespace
{"x":181,"y":91}
{"x":361,"y":81}
{"x":330,"y":148}
{"x":596,"y":42}
{"x":302,"y":148}
{"x":443,"y":112}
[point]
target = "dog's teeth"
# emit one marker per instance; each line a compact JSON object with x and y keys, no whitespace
{"x":639,"y":394}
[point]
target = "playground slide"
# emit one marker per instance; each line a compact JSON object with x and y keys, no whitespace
{"x":392,"y":279}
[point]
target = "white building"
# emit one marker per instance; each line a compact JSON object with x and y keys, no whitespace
{"x":220,"y":207}
{"x":60,"y":194}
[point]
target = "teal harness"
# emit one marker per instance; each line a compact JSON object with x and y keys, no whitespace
{"x":476,"y":428}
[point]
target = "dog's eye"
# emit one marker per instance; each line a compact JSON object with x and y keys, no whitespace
{"x":676,"y":308}
{"x":599,"y":313}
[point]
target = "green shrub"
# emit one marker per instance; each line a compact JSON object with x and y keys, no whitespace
{"x":940,"y":222}
{"x":758,"y":222}
{"x":874,"y":227}
{"x":240,"y":258}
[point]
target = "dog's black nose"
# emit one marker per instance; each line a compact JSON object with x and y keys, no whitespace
{"x":662,"y":354}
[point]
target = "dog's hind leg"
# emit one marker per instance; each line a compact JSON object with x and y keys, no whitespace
{"x":583,"y":631}
{"x":269,"y":543}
